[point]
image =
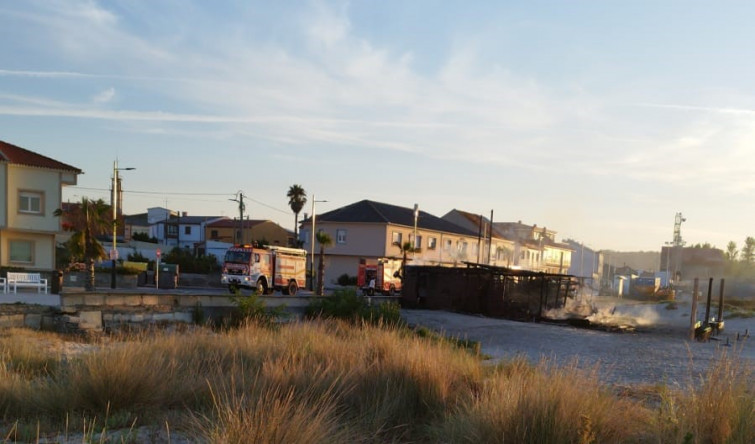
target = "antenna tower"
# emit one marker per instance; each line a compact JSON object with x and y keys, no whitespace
{"x":678,"y":242}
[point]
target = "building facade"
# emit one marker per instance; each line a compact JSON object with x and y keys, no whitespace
{"x":369,"y":230}
{"x":262,"y":231}
{"x":31,"y":190}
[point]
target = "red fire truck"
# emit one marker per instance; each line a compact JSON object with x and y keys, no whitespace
{"x":383,"y":273}
{"x":264,"y":269}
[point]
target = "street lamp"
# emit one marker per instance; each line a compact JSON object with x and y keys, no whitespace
{"x":114,"y":204}
{"x":414,"y":247}
{"x":312,"y":247}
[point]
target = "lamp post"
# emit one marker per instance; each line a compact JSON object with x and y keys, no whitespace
{"x":414,"y":247}
{"x":312,"y":247}
{"x":114,"y":204}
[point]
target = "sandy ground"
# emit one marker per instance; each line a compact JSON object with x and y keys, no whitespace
{"x":658,"y":351}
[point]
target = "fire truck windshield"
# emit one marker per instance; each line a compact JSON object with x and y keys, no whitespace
{"x":238,"y":257}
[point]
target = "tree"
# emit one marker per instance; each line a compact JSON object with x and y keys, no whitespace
{"x":324,"y":240}
{"x":297,"y":197}
{"x":747,"y":255}
{"x":405,"y":249}
{"x":731,"y":251}
{"x":86,"y":220}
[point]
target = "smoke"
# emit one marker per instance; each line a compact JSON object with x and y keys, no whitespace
{"x":606,"y":313}
{"x":632,"y":315}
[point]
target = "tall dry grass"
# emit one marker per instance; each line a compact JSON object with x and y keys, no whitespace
{"x":523,"y":403}
{"x":335,"y":382}
{"x":720,"y":408}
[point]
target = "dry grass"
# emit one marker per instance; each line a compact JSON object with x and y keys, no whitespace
{"x":333,"y":382}
{"x":720,"y":409}
{"x":543,"y":404}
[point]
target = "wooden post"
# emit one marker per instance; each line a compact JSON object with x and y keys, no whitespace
{"x":543,"y":294}
{"x":707,"y":306}
{"x":721,"y":303}
{"x":693,"y":314}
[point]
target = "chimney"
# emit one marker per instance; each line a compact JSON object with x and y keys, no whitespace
{"x":184,"y":214}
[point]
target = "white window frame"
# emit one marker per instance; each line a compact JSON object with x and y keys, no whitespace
{"x":397,"y":238}
{"x":31,"y":246}
{"x":341,"y":236}
{"x":25,"y":199}
{"x":432,"y":243}
{"x":418,"y":242}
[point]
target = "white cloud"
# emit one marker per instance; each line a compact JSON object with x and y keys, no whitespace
{"x":339,"y":89}
{"x":104,"y":96}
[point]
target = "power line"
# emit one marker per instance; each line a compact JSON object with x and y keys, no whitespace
{"x":168,"y":193}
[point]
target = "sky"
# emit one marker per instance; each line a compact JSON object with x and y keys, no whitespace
{"x":597,"y":119}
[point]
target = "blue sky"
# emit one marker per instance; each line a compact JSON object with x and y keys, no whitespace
{"x":597,"y":119}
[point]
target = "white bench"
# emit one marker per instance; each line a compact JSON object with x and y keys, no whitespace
{"x":15,"y":280}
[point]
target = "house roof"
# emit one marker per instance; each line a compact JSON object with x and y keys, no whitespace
{"x":368,"y":211}
{"x":139,"y":219}
{"x":478,"y":220}
{"x":14,"y":154}
{"x":197,"y":220}
{"x":231,"y":223}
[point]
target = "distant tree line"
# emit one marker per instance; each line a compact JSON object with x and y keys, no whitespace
{"x":741,"y":262}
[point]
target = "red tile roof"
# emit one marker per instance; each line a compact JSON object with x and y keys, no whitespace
{"x":20,"y":156}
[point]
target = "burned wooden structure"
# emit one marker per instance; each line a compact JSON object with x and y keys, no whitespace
{"x":488,"y":290}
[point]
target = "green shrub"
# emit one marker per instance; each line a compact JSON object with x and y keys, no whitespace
{"x":345,"y":280}
{"x":252,"y":309}
{"x":346,"y":305}
{"x":144,"y":237}
{"x":188,"y":263}
{"x":137,"y":256}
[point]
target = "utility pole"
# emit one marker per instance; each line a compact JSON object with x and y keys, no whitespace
{"x":115,"y":198}
{"x":240,"y":199}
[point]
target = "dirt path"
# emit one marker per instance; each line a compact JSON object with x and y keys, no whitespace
{"x":658,"y":352}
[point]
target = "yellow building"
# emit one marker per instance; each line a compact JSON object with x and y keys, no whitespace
{"x":30,"y":191}
{"x":264,"y":231}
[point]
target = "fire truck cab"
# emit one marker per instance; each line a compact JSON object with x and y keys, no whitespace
{"x":264,"y":269}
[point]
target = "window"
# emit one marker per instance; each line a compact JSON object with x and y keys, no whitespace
{"x":396,"y":239}
{"x":30,"y":202}
{"x":447,"y":245}
{"x":172,"y":230}
{"x":214,"y":234}
{"x":22,"y":251}
{"x":431,"y":243}
{"x":187,"y":230}
{"x":461,"y":246}
{"x":500,"y":254}
{"x":418,"y":242}
{"x":341,"y":236}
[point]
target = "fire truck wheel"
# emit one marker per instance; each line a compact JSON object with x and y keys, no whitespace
{"x":292,"y":288}
{"x":261,"y":287}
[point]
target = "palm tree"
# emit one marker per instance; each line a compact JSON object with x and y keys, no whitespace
{"x":405,"y":248}
{"x":86,"y":220}
{"x":324,"y":240}
{"x":297,"y":197}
